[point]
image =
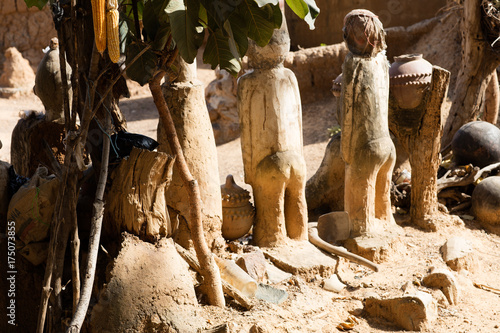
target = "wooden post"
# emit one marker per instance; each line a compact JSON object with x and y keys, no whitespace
{"x":420,"y":134}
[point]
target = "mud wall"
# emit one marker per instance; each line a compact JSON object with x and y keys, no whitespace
{"x":29,"y":30}
{"x":330,"y":21}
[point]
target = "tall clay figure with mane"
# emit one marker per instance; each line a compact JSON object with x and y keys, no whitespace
{"x":367,"y":148}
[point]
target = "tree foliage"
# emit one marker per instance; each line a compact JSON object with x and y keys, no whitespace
{"x":227,"y":23}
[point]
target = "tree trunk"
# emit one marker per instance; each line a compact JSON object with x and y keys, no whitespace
{"x":136,"y":199}
{"x":420,"y":134}
{"x":492,"y":100}
{"x":210,"y":273}
{"x":478,"y":62}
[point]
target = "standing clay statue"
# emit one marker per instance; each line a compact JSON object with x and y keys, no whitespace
{"x":367,"y":148}
{"x":271,"y":140}
{"x":48,"y":83}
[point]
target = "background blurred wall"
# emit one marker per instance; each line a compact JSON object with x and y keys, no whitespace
{"x":332,"y":12}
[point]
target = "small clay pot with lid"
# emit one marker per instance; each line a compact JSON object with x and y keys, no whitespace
{"x":237,"y":211}
{"x":337,"y":86}
{"x":410,"y":76}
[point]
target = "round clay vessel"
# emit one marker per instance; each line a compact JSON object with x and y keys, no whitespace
{"x":237,"y":211}
{"x":486,"y":203}
{"x":410,"y":75}
{"x":476,"y":143}
{"x":337,"y":86}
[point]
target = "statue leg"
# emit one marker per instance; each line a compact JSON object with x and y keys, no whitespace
{"x":366,"y":177}
{"x":269,"y":196}
{"x":383,"y":209}
{"x":295,"y":199}
{"x":359,"y":196}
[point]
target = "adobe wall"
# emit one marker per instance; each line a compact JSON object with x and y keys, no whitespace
{"x":332,"y":12}
{"x":29,"y":30}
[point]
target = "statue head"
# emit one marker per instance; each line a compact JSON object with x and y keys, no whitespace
{"x":364,"y":33}
{"x":274,"y":53}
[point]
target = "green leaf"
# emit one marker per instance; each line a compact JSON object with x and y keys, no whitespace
{"x":38,"y":3}
{"x":305,"y":9}
{"x":260,"y":21}
{"x":154,"y":18}
{"x":220,"y":10}
{"x":184,"y":21}
{"x":217,"y":52}
{"x":124,"y":30}
{"x":239,"y":33}
{"x":143,"y":69}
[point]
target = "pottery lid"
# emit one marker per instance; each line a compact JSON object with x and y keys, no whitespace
{"x":232,"y":194}
{"x":337,"y":85}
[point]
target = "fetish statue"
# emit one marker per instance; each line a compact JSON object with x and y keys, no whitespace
{"x":367,"y":148}
{"x":271,"y":140}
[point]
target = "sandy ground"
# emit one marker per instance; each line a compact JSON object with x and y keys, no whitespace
{"x":309,"y":308}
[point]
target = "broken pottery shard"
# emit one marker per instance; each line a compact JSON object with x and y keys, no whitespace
{"x":270,"y":294}
{"x":276,"y":275}
{"x":445,"y":281}
{"x":458,"y":254}
{"x":333,"y":284}
{"x":254,"y":264}
{"x":410,"y":312}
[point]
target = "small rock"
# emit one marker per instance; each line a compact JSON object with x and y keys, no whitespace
{"x":254,"y":264}
{"x":333,"y":284}
{"x":458,"y":254}
{"x":261,"y":328}
{"x":410,"y":312}
{"x":270,"y":294}
{"x":276,"y":275}
{"x":444,"y":281}
{"x":17,"y":72}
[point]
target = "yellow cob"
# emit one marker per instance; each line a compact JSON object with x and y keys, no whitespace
{"x":99,"y":16}
{"x":113,"y":31}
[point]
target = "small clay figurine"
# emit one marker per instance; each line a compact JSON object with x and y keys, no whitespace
{"x":367,"y":148}
{"x":48,"y":83}
{"x":271,"y":140}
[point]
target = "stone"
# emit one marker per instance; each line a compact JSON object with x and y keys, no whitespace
{"x":17,"y":73}
{"x":366,"y":145}
{"x":150,"y":290}
{"x":445,"y":281}
{"x":333,"y":284}
{"x":222,"y":107}
{"x":301,"y":258}
{"x":415,"y":312}
{"x":270,"y":294}
{"x":270,"y":113}
{"x":459,"y":254}
{"x":276,"y":275}
{"x":378,"y":247}
{"x":254,"y":264}
{"x":334,"y":226}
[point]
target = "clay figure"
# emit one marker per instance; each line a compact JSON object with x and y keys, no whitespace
{"x":271,"y":140}
{"x":367,"y":148}
{"x":48,"y":83}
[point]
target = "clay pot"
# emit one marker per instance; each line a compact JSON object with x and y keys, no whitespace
{"x":237,"y":211}
{"x":486,"y":203}
{"x":410,"y":76}
{"x":478,"y":143}
{"x":337,"y":86}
